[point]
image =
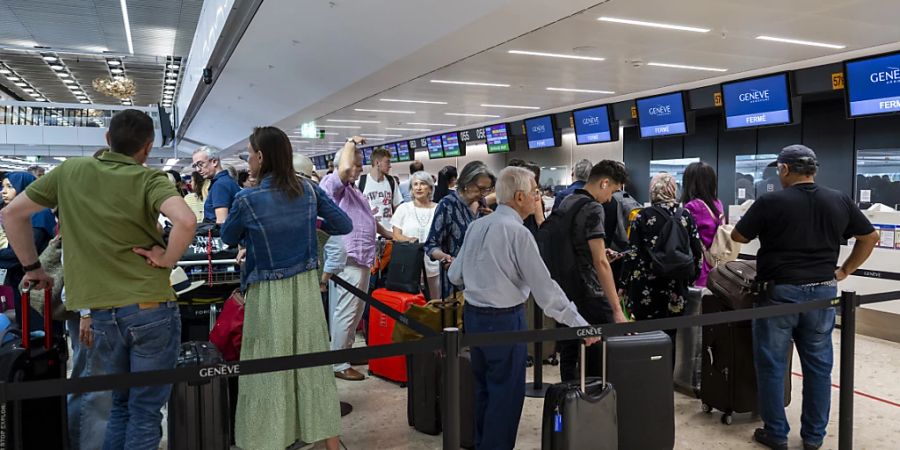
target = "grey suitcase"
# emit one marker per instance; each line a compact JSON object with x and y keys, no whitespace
{"x":689,"y":350}
{"x":199,"y":414}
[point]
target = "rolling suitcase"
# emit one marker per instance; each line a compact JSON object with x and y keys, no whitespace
{"x":580,"y":415}
{"x":381,"y":330}
{"x":728,"y":375}
{"x":39,"y":423}
{"x":199,"y":415}
{"x":688,"y":349}
{"x":640,"y":367}
{"x":425,"y":390}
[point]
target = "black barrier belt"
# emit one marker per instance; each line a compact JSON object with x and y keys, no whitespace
{"x":878,"y":298}
{"x":866,"y":273}
{"x":416,"y":326}
{"x":619,"y":329}
{"x":50,"y":388}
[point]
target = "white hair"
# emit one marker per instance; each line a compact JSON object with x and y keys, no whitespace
{"x":211,"y":152}
{"x":511,"y":180}
{"x":422,"y":176}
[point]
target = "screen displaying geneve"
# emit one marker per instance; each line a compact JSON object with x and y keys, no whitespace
{"x":539,"y":131}
{"x":873,"y":85}
{"x":757,"y":102}
{"x":592,"y":125}
{"x":662,"y":115}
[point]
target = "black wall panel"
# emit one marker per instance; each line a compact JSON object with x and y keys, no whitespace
{"x":637,"y":161}
{"x":668,"y":148}
{"x":827,"y":131}
{"x":773,"y":139}
{"x":877,"y":132}
{"x":704,"y":142}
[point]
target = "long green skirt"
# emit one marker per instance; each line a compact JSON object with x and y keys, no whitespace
{"x":282,"y":318}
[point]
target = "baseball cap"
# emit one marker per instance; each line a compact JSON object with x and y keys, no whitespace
{"x":303,"y":165}
{"x":797,"y":154}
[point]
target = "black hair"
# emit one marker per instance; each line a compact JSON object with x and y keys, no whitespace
{"x":700,"y":182}
{"x":443,"y":183}
{"x":608,"y":168}
{"x":129,"y":131}
{"x":242,"y":177}
{"x":807,"y":167}
{"x":416,"y":166}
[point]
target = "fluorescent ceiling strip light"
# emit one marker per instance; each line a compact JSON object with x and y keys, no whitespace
{"x":432,"y":124}
{"x":470,"y":115}
{"x":645,"y":23}
{"x":424,"y":102}
{"x":375,"y":139}
{"x":124,"y":6}
{"x":341,"y":126}
{"x":586,"y":91}
{"x":470,"y":83}
{"x":352,"y":121}
{"x":679,"y":66}
{"x":487,"y":105}
{"x":382,"y":135}
{"x":556,"y":55}
{"x":410,"y":129}
{"x":799,"y":42}
{"x":171,"y":161}
{"x":391,"y":111}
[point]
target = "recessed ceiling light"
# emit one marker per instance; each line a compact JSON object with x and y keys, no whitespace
{"x":800,"y":42}
{"x":341,"y":126}
{"x":382,"y":135}
{"x":556,"y":55}
{"x":680,"y":66}
{"x":78,"y":92}
{"x":644,"y":23}
{"x":487,"y":105}
{"x":470,"y":115}
{"x":27,"y":90}
{"x":114,"y":63}
{"x":167,"y":96}
{"x":49,"y":58}
{"x":84,"y":101}
{"x":470,"y":83}
{"x":118,"y":78}
{"x":390,"y":111}
{"x":432,"y":124}
{"x":408,"y":129}
{"x":57,"y":67}
{"x":20,"y":84}
{"x":171,"y":82}
{"x":73,"y":87}
{"x":116,"y":71}
{"x":40,"y":99}
{"x":13,"y":78}
{"x":172,"y":75}
{"x":67,"y":81}
{"x":586,"y":91}
{"x":81,"y":97}
{"x":34,"y":94}
{"x":352,"y":121}
{"x":5,"y":71}
{"x":397,"y":100}
{"x":63,"y":75}
{"x":173,"y":66}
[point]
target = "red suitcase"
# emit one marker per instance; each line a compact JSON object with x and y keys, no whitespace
{"x":381,"y":328}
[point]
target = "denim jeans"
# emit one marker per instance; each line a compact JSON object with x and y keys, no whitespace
{"x":129,"y":339}
{"x":87,"y":411}
{"x":499,"y":377}
{"x":811,"y":333}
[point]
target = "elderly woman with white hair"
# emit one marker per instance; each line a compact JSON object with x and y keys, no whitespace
{"x":412,"y":222}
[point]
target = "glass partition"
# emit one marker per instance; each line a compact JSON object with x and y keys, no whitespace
{"x":754,"y":175}
{"x":556,"y":177}
{"x":878,"y":177}
{"x":675,"y":167}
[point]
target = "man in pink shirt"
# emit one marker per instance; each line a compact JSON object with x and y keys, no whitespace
{"x":345,"y":309}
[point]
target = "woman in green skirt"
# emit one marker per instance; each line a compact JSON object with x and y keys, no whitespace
{"x":276,"y":222}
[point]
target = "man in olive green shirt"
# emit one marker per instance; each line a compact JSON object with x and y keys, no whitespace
{"x":115,"y":265}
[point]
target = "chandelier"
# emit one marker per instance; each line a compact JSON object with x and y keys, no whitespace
{"x":122,"y":89}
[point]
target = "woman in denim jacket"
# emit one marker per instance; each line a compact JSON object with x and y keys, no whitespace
{"x":283,"y":314}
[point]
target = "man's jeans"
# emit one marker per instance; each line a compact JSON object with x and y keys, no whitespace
{"x":130,"y":339}
{"x":811,"y":333}
{"x":88,"y":410}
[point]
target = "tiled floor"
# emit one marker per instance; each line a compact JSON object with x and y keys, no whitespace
{"x":379,"y":418}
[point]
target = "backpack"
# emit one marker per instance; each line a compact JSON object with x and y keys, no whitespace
{"x":554,"y":240}
{"x":626,"y":208}
{"x":364,"y":177}
{"x":671,"y":256}
{"x":723,"y":249}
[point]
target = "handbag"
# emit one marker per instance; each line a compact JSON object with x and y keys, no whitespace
{"x":228,"y":331}
{"x":436,"y":314}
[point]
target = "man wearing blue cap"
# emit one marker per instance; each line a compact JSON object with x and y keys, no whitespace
{"x":800,"y":230}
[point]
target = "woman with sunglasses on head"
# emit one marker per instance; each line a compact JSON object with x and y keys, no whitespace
{"x":283,"y":313}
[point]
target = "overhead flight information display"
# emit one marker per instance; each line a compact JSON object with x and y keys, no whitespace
{"x":662,"y":115}
{"x":757,"y":102}
{"x":403,"y":151}
{"x":435,"y":148}
{"x":592,"y":125}
{"x":393,"y":149}
{"x":873,"y":85}
{"x":450,"y":142}
{"x":540,"y":132}
{"x":497,"y":137}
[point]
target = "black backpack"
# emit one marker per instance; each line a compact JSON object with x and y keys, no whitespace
{"x":671,"y":257}
{"x":554,"y":240}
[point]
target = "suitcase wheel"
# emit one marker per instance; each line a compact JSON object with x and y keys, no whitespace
{"x":727,"y":419}
{"x":402,"y":385}
{"x":706,"y":408}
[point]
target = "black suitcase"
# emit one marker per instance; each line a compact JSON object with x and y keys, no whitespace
{"x":199,"y":416}
{"x":640,"y":367}
{"x":40,"y":423}
{"x":689,"y":349}
{"x":581,"y":415}
{"x":407,"y":267}
{"x":425,"y":390}
{"x":728,"y":377}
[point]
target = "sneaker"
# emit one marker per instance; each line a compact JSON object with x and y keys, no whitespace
{"x":764,"y":437}
{"x":350,"y":374}
{"x":811,"y":446}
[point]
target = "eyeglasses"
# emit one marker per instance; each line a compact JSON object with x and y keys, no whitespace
{"x":484,"y":191}
{"x":536,"y":192}
{"x":199,"y":165}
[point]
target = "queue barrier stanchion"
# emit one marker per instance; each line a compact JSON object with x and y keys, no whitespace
{"x":849,"y":300}
{"x":450,"y":399}
{"x":537,"y":389}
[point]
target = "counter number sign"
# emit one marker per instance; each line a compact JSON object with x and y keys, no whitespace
{"x":634,"y":112}
{"x":717,"y":99}
{"x":837,"y":81}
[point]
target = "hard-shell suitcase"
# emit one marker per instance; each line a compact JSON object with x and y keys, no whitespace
{"x":425,"y":392}
{"x":40,"y":423}
{"x":728,"y":377}
{"x":580,"y":415}
{"x":640,"y":367}
{"x":199,"y":415}
{"x":688,"y":350}
{"x":381,"y":330}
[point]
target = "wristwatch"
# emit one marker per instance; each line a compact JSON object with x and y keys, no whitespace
{"x":31,"y":267}
{"x":354,"y":142}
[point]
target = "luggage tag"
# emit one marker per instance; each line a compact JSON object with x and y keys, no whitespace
{"x":2,"y":276}
{"x":557,"y":421}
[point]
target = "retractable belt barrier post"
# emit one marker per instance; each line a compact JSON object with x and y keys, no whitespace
{"x":450,"y":398}
{"x":849,"y":301}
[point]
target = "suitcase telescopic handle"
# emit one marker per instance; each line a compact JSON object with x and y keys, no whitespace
{"x":26,"y":334}
{"x":581,"y":364}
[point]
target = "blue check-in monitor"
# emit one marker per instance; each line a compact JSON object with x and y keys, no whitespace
{"x":450,"y":142}
{"x":662,"y":115}
{"x":873,"y":85}
{"x":541,"y":132}
{"x":756,"y":102}
{"x":592,"y":125}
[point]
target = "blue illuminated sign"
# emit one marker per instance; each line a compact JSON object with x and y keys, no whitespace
{"x":435,"y":148}
{"x":540,"y":132}
{"x":450,"y":141}
{"x":873,"y":85}
{"x":662,"y":115}
{"x":592,"y":125}
{"x":757,"y":102}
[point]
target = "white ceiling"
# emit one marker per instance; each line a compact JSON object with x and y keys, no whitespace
{"x":385,"y":58}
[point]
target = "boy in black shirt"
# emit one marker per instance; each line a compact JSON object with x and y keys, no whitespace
{"x":800,"y":230}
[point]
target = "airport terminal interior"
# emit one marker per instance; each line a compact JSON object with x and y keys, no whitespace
{"x":657,"y":85}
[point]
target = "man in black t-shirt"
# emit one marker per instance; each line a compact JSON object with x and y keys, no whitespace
{"x":800,"y":230}
{"x":600,"y":303}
